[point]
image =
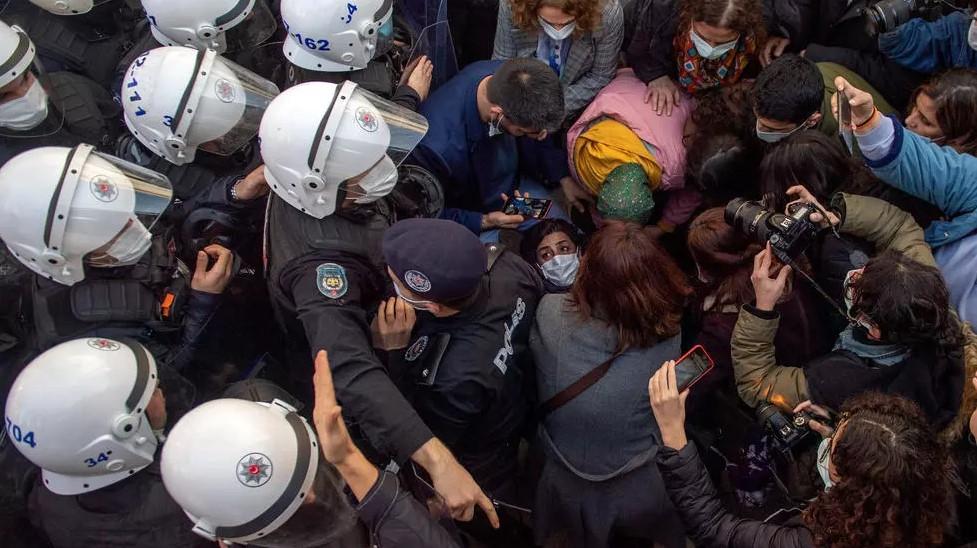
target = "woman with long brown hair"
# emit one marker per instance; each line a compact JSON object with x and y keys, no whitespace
{"x":944,"y":110}
{"x":599,"y":485}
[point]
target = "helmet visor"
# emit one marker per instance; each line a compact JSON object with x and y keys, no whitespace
{"x":230,"y":91}
{"x":406,"y":127}
{"x":257,"y":27}
{"x":141,"y":193}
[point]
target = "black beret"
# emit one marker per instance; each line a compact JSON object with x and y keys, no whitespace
{"x":437,"y":259}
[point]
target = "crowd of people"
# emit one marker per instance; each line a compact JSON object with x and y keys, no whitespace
{"x":488,"y":273}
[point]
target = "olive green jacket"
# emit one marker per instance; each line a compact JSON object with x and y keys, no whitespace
{"x":758,"y":377}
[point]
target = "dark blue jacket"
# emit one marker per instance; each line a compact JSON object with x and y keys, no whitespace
{"x":930,"y":46}
{"x":473,"y":168}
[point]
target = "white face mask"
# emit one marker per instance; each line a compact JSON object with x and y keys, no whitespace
{"x":972,"y":34}
{"x":824,"y":463}
{"x":416,"y":305}
{"x":495,"y":128}
{"x":561,"y":270}
{"x":709,"y":51}
{"x":558,"y":34}
{"x":377,"y":183}
{"x":26,"y":112}
{"x":126,"y":249}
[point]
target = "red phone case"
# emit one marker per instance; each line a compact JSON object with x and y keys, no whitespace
{"x":712,"y":365}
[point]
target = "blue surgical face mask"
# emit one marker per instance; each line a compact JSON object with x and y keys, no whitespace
{"x":776,"y":136}
{"x":709,"y":51}
{"x":561,"y":270}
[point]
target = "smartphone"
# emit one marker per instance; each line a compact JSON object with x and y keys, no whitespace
{"x":533,"y":208}
{"x":844,"y":120}
{"x":691,"y":367}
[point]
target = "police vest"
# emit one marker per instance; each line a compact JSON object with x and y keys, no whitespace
{"x":138,"y":301}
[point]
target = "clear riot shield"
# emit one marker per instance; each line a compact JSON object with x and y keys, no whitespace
{"x":429,"y":20}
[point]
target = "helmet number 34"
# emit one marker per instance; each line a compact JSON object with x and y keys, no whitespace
{"x":19,"y":436}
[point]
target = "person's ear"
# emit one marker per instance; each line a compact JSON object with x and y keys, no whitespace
{"x":814,"y":119}
{"x":496,"y":111}
{"x":434,"y":308}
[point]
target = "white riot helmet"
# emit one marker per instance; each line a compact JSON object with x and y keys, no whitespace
{"x":318,"y":135}
{"x":21,"y":76}
{"x":335,"y":35}
{"x":177,"y":100}
{"x":240,"y":469}
{"x":78,"y":411}
{"x":220,"y":25}
{"x":68,"y":7}
{"x":63,"y":208}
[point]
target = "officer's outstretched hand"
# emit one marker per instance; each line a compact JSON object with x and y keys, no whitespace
{"x":453,"y":483}
{"x":215,"y":279}
{"x":327,"y":416}
{"x":393,"y":324}
{"x":334,"y":441}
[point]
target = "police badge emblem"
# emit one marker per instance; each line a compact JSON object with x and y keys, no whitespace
{"x":103,"y":189}
{"x":417,"y":281}
{"x":224,"y":90}
{"x":254,"y":470}
{"x":416,"y":349}
{"x":331,"y":280}
{"x":103,"y":344}
{"x":366,"y":119}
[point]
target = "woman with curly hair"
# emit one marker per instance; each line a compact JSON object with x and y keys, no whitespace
{"x":694,"y":45}
{"x":888,"y":479}
{"x":579,"y":39}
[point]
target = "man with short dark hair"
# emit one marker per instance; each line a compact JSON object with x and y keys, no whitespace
{"x":787,"y":97}
{"x":488,"y":136}
{"x":793,"y":94}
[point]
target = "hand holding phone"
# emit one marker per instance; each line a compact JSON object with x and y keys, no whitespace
{"x":530,"y":208}
{"x":844,"y":120}
{"x":692,"y":367}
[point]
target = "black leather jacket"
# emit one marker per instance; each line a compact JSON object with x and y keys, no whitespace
{"x":706,"y":521}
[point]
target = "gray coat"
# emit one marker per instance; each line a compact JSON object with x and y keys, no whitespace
{"x":593,"y":57}
{"x":600,"y":483}
{"x":608,"y":429}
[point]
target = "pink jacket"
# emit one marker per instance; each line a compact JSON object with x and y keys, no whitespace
{"x":624,"y":100}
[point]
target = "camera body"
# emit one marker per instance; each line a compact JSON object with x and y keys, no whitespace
{"x":788,"y":430}
{"x":789,"y":235}
{"x":886,"y":15}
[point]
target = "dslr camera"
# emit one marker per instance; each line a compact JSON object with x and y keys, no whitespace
{"x":789,"y":235}
{"x":788,"y":430}
{"x":886,"y":15}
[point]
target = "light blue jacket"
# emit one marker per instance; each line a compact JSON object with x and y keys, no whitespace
{"x":930,"y":46}
{"x":938,"y":175}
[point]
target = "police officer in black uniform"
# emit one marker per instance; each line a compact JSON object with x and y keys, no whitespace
{"x":331,"y":156}
{"x":368,"y":44}
{"x":48,"y":109}
{"x":468,"y":363}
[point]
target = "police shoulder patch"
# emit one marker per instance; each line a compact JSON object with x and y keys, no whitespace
{"x":416,"y":349}
{"x":331,"y":280}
